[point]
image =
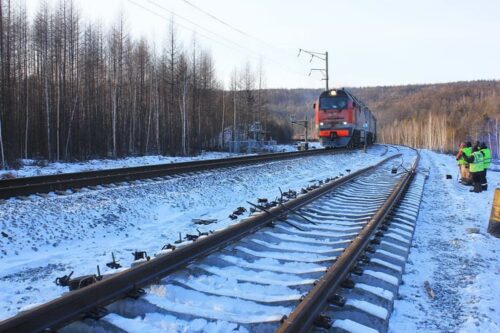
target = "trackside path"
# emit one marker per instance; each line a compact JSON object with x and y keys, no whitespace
{"x":455,"y":254}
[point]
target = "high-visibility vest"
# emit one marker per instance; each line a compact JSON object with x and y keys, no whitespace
{"x":477,"y":165}
{"x":466,"y":152}
{"x":487,"y":157}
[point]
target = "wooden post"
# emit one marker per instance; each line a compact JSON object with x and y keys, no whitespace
{"x":494,"y":225}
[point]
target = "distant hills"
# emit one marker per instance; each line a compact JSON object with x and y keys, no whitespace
{"x":435,"y":116}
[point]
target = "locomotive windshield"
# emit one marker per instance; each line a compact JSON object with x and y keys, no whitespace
{"x":332,"y":103}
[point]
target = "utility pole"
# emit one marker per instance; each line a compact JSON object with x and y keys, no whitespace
{"x":304,"y":123}
{"x":320,"y":56}
{"x":365,"y":128}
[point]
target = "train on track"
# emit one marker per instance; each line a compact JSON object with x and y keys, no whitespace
{"x":342,"y":120}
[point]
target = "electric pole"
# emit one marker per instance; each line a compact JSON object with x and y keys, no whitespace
{"x":304,"y":123}
{"x":320,"y":56}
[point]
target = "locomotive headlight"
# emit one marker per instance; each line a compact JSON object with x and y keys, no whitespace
{"x":345,"y":123}
{"x":321,"y":124}
{"x":333,"y":93}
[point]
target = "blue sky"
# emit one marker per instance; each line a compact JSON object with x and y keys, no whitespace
{"x":370,"y":42}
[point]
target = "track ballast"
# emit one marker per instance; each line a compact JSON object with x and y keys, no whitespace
{"x":261,"y":273}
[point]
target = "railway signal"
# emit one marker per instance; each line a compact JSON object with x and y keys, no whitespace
{"x":304,"y":123}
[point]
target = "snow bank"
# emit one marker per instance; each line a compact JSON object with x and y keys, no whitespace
{"x":461,"y":266}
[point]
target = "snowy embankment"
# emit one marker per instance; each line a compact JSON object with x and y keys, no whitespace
{"x":32,"y":168}
{"x":453,"y":255}
{"x":50,"y":237}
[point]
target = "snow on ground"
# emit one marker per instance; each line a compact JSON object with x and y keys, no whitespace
{"x":45,"y":238}
{"x":312,"y":145}
{"x":31,"y":168}
{"x":454,"y":253}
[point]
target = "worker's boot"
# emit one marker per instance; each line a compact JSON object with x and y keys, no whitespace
{"x":476,"y":187}
{"x":484,"y":187}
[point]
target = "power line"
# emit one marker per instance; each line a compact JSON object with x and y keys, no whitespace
{"x":217,"y":19}
{"x":196,"y":25}
{"x":250,"y":36}
{"x":256,"y":55}
{"x":187,"y":28}
{"x":233,"y":27}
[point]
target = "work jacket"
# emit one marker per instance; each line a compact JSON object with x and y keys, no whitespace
{"x":463,"y":154}
{"x":476,"y":162}
{"x":487,"y":157}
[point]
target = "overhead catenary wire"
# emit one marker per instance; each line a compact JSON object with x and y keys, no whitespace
{"x":232,"y":27}
{"x":225,"y":41}
{"x":217,"y":19}
{"x":256,"y":54}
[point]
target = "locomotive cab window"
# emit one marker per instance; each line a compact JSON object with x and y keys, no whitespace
{"x":332,"y":103}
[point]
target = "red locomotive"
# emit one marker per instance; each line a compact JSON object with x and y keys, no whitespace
{"x":343,"y":121}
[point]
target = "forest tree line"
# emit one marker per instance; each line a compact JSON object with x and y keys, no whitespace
{"x":71,"y":90}
{"x":437,"y":116}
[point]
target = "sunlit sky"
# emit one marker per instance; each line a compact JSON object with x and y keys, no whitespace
{"x":370,"y":42}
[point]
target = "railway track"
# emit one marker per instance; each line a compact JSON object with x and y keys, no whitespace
{"x":24,"y":186}
{"x":331,"y":257}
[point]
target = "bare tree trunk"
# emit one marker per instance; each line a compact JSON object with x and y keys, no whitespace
{"x":259,"y":107}
{"x":234,"y":115}
{"x":69,"y":125}
{"x":157,"y":115}
{"x":498,"y":138}
{"x":26,"y":125}
{"x":183,"y":104}
{"x":150,"y":112}
{"x":2,"y":83}
{"x":47,"y":112}
{"x":1,"y":146}
{"x":222,"y":127}
{"x":115,"y":97}
{"x":58,"y":113}
{"x":26,"y":89}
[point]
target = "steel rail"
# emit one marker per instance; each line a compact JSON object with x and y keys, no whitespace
{"x":74,"y":305}
{"x":44,"y":184}
{"x":308,"y":310}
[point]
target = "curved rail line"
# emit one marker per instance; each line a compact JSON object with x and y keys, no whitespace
{"x":313,"y":304}
{"x":284,"y":247}
{"x":43,"y":184}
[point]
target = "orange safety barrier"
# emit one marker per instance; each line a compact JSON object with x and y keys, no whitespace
{"x":494,"y":225}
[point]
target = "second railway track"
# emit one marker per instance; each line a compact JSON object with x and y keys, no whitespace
{"x":23,"y":186}
{"x":277,"y":270}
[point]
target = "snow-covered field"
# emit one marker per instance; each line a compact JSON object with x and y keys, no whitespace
{"x":454,"y":253}
{"x":50,"y":237}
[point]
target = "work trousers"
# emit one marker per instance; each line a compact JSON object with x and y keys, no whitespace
{"x":465,"y":174}
{"x":477,"y":178}
{"x":484,"y":181}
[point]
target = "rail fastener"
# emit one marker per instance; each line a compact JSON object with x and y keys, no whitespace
{"x":309,"y":309}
